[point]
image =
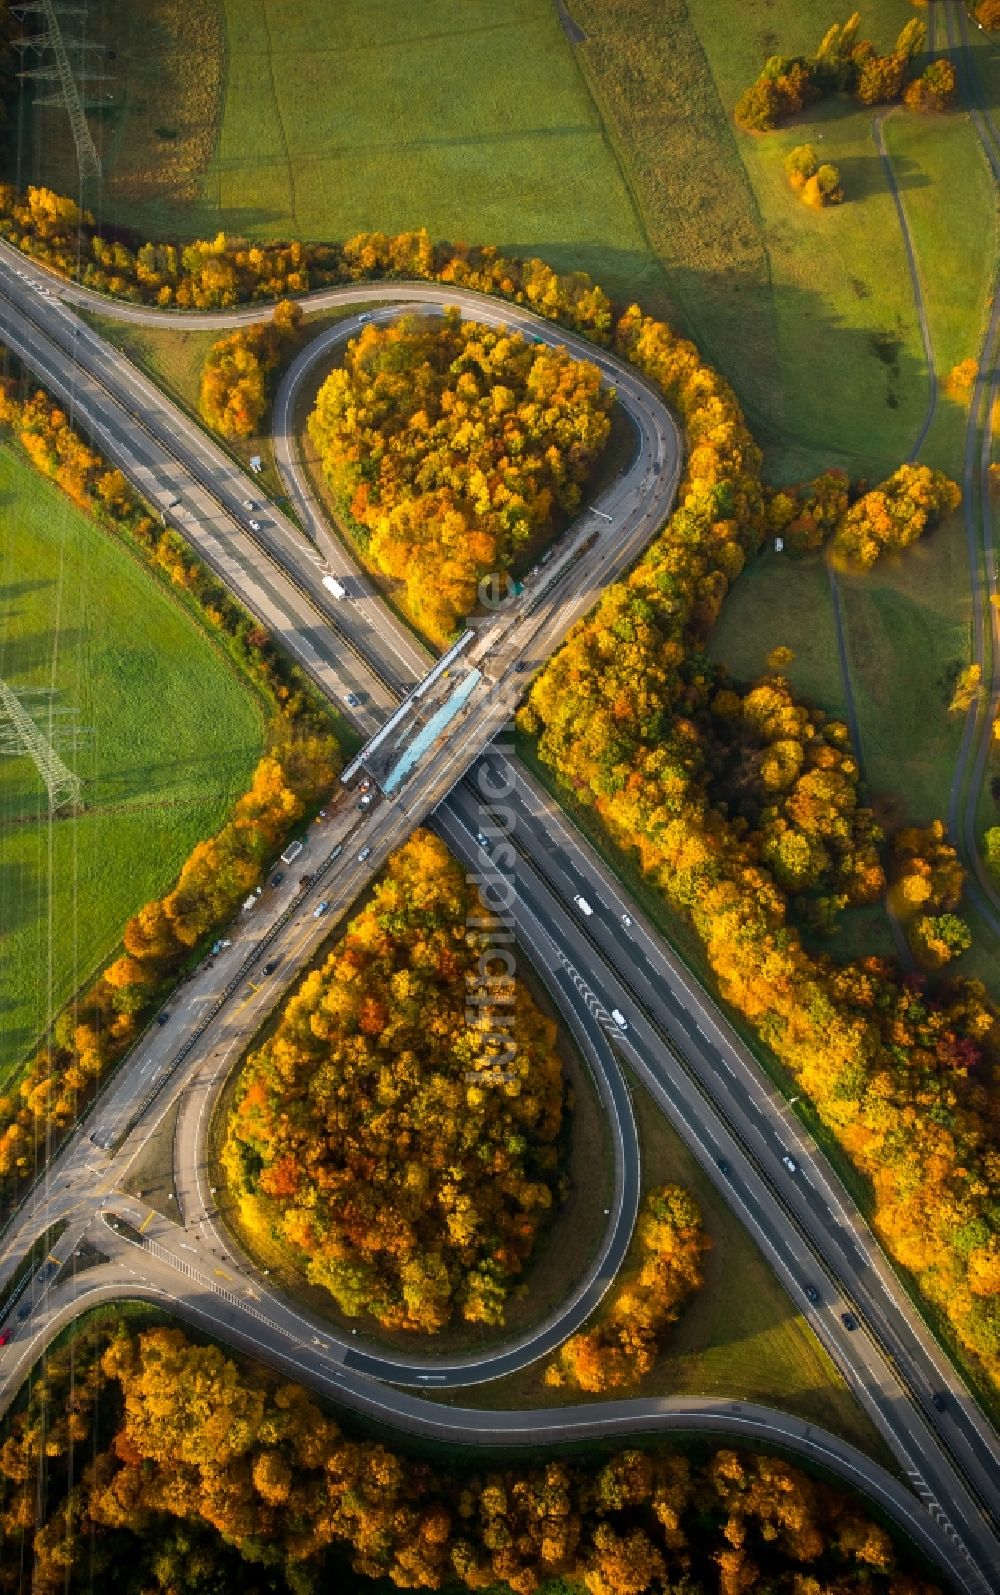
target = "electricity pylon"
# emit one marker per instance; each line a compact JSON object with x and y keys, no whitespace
{"x":20,"y":735}
{"x":60,"y":71}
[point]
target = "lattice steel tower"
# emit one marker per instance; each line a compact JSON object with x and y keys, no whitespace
{"x":19,"y":735}
{"x":59,"y":69}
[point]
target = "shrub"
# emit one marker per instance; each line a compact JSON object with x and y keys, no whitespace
{"x":823,"y":187}
{"x":934,"y":90}
{"x":801,"y":164}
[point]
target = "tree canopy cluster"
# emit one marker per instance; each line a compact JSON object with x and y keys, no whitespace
{"x":817,"y":181}
{"x":893,"y":515}
{"x":847,"y":63}
{"x":741,"y":807}
{"x":145,"y":1464}
{"x":300,"y":766}
{"x":388,"y":1134}
{"x":623,"y":1345}
{"x":928,"y":878}
{"x":860,"y":524}
{"x":454,"y":448}
{"x":214,"y":273}
{"x":237,"y":371}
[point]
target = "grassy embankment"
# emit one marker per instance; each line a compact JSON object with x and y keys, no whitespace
{"x":168,"y":737}
{"x":738,"y":1336}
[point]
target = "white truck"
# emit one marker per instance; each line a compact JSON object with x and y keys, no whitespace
{"x":335,"y":587}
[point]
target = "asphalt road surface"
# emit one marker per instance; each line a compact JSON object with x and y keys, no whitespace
{"x":675,"y":1040}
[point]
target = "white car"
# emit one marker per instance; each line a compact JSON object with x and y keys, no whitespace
{"x":255,"y":526}
{"x":627,"y":921}
{"x":790,"y":1164}
{"x":619,"y":1018}
{"x":583,"y":906}
{"x":365,"y":853}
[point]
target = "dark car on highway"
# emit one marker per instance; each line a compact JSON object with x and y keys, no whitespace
{"x":849,"y":1321}
{"x":270,"y":966}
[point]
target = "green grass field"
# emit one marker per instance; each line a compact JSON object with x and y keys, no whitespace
{"x":470,"y":120}
{"x":739,"y":1336}
{"x":169,"y":736}
{"x":618,"y":155}
{"x":853,"y":375}
{"x":908,"y":633}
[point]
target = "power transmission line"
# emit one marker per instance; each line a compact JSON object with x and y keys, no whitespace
{"x":19,"y":735}
{"x":59,"y":70}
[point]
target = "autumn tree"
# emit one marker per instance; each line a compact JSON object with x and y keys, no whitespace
{"x":623,"y":1346}
{"x":421,"y":1161}
{"x":454,"y":449}
{"x":928,"y":878}
{"x":237,"y":369}
{"x":823,"y":188}
{"x":880,"y":79}
{"x":934,"y":89}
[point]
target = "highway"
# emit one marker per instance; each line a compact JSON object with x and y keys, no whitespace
{"x":677,"y":1042}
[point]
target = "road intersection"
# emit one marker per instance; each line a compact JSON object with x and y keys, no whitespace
{"x":677,"y":1042}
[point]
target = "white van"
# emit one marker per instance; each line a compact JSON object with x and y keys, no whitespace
{"x":619,"y":1018}
{"x":583,"y":906}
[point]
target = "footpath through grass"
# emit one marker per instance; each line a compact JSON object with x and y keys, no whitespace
{"x":168,"y":737}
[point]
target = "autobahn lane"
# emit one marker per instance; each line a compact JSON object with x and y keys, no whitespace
{"x":648,"y":973}
{"x":640,"y":500}
{"x":140,"y":1275}
{"x":721,"y":1127}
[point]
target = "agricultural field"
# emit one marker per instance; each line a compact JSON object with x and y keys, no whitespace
{"x":810,"y":314}
{"x":167,"y":737}
{"x":482,"y":128}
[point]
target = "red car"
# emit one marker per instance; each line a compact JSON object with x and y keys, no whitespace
{"x":5,"y":1337}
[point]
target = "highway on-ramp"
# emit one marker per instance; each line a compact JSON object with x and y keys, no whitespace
{"x":674,"y":1030}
